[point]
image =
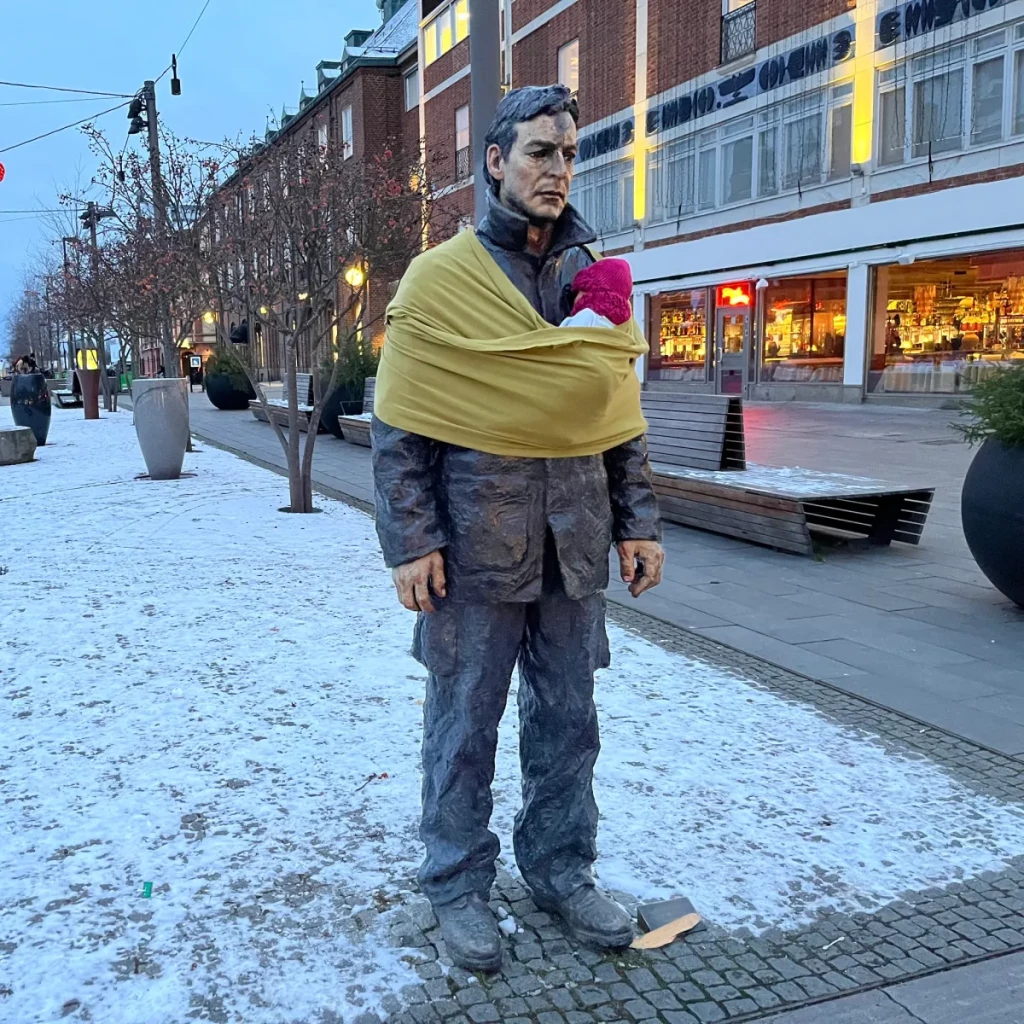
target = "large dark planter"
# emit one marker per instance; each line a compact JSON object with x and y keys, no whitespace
{"x":30,"y":404}
{"x":223,"y":393}
{"x":992,"y":510}
{"x":339,"y":404}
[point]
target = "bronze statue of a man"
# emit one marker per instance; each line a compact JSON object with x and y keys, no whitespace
{"x":506,"y":463}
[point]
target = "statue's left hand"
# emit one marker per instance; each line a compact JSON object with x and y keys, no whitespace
{"x":640,"y":563}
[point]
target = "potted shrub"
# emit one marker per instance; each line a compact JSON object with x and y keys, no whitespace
{"x":356,"y":361}
{"x":227,"y":384}
{"x":992,"y":503}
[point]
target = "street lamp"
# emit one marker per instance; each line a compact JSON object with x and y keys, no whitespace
{"x":209,"y":317}
{"x":354,"y":277}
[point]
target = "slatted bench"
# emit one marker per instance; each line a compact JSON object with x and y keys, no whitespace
{"x":702,"y":480}
{"x":67,"y":398}
{"x":278,"y":407}
{"x":356,"y":429}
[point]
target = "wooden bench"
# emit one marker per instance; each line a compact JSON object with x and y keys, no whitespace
{"x":356,"y":429}
{"x":695,"y":431}
{"x":697,"y":446}
{"x":278,"y":407}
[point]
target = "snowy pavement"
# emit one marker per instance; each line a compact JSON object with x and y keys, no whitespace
{"x":210,"y":696}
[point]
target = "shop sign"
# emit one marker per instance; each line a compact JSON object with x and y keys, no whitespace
{"x":607,"y":140}
{"x":195,"y":362}
{"x":801,"y":62}
{"x":916,"y":17}
{"x":733,"y":295}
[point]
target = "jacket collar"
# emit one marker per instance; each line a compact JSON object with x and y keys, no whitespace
{"x":508,"y":229}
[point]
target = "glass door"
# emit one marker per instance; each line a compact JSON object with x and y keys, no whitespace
{"x":732,"y":341}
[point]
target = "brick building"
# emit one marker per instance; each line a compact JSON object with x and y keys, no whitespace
{"x":818,"y":199}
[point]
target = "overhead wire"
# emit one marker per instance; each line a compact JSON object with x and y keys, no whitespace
{"x":39,"y":103}
{"x":63,"y":128}
{"x":59,"y":88}
{"x":195,"y":25}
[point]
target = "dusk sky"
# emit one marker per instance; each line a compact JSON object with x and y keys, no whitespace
{"x":246,"y":58}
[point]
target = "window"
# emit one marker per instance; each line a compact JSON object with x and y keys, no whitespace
{"x":569,"y":65}
{"x":987,"y":102}
{"x":767,"y":177}
{"x":841,"y":141}
{"x":412,"y":89}
{"x":671,"y":181}
{"x":939,"y":113}
{"x":803,"y":151}
{"x":892,"y":127}
{"x":321,"y":135}
{"x":346,"y":132}
{"x":604,"y":197}
{"x":738,"y":29}
{"x":737,"y":169}
{"x":680,"y":350}
{"x":804,"y":330}
{"x":706,"y":179}
{"x":463,"y":160}
{"x":1018,"y":93}
{"x":449,"y":27}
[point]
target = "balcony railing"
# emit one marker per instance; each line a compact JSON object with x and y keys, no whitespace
{"x":463,"y":164}
{"x":738,"y":33}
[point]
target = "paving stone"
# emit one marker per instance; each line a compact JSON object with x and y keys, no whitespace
{"x":527,"y":984}
{"x":550,"y":1017}
{"x":446,"y":1008}
{"x":639,"y":1009}
{"x":471,"y":994}
{"x":484,"y":1013}
{"x":579,"y":1017}
{"x":706,"y":1013}
{"x":764,"y":997}
{"x":622,"y":992}
{"x":789,"y":992}
{"x":608,"y":973}
{"x":663,"y":999}
{"x":591,"y":996}
{"x":438,"y":988}
{"x":642,"y":979}
{"x":707,"y":979}
{"x":680,"y":1017}
{"x":927,"y":958}
{"x":513,"y":1007}
{"x":816,"y":987}
{"x":787,"y":968}
{"x":424,"y":1014}
{"x":720,"y":993}
{"x":561,"y":999}
{"x":736,"y":1007}
{"x":687,"y":992}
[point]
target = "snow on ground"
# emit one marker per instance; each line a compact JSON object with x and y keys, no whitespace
{"x":198,"y":688}
{"x":787,"y":480}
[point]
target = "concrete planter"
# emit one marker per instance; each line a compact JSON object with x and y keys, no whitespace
{"x":17,"y":444}
{"x":30,"y":404}
{"x":161,"y":424}
{"x":992,"y":510}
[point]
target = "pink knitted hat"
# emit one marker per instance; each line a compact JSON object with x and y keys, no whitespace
{"x":605,"y":287}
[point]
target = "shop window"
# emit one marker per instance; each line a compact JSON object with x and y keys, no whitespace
{"x":803,"y":151}
{"x":679,"y":352}
{"x":569,"y":66}
{"x":892,"y":130}
{"x":346,"y":132}
{"x":706,"y":179}
{"x":767,"y":175}
{"x":841,"y":146}
{"x":412,"y":89}
{"x":804,"y":335}
{"x":946,"y":324}
{"x":1018,"y":93}
{"x":987,"y":102}
{"x":939,"y":113}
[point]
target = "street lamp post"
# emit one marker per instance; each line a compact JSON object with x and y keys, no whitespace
{"x":485,"y":86}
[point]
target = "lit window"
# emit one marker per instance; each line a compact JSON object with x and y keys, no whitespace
{"x":987,"y":102}
{"x":461,"y":20}
{"x":892,"y":127}
{"x":346,"y":132}
{"x":569,"y":65}
{"x":430,"y":52}
{"x":939,"y":113}
{"x":412,"y":89}
{"x":444,"y":32}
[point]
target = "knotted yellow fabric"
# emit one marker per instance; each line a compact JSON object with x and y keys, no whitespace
{"x":468,"y":361}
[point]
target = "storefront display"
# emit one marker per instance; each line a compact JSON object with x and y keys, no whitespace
{"x":946,"y":323}
{"x":679,"y":352}
{"x":804,"y":333}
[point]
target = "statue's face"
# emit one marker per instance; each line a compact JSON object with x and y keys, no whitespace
{"x":535,"y":178}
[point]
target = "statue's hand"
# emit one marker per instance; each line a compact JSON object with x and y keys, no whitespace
{"x":640,"y":562}
{"x":417,"y":582}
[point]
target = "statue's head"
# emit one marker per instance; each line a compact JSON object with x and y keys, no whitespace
{"x":530,"y":150}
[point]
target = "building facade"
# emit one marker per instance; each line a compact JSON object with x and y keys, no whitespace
{"x":817,"y":199}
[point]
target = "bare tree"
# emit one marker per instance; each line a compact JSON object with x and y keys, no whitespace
{"x":308,"y":242}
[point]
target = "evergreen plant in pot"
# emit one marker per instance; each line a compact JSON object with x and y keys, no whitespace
{"x":227,"y":384}
{"x":355,"y":361}
{"x":992,"y":502}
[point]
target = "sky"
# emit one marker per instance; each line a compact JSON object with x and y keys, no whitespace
{"x":245,"y":58}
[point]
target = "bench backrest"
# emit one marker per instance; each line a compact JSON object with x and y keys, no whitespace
{"x":303,"y":388}
{"x":695,"y":431}
{"x":369,"y":390}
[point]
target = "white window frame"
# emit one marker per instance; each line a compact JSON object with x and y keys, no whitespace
{"x":347,"y":144}
{"x":445,"y":30}
{"x":411,"y":95}
{"x":592,"y":189}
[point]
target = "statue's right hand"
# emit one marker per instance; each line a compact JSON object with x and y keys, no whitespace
{"x":417,"y":582}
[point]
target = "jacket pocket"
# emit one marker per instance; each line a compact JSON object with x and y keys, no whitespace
{"x":435,"y":641}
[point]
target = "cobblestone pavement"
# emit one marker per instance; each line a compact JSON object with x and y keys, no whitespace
{"x":717,"y":975}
